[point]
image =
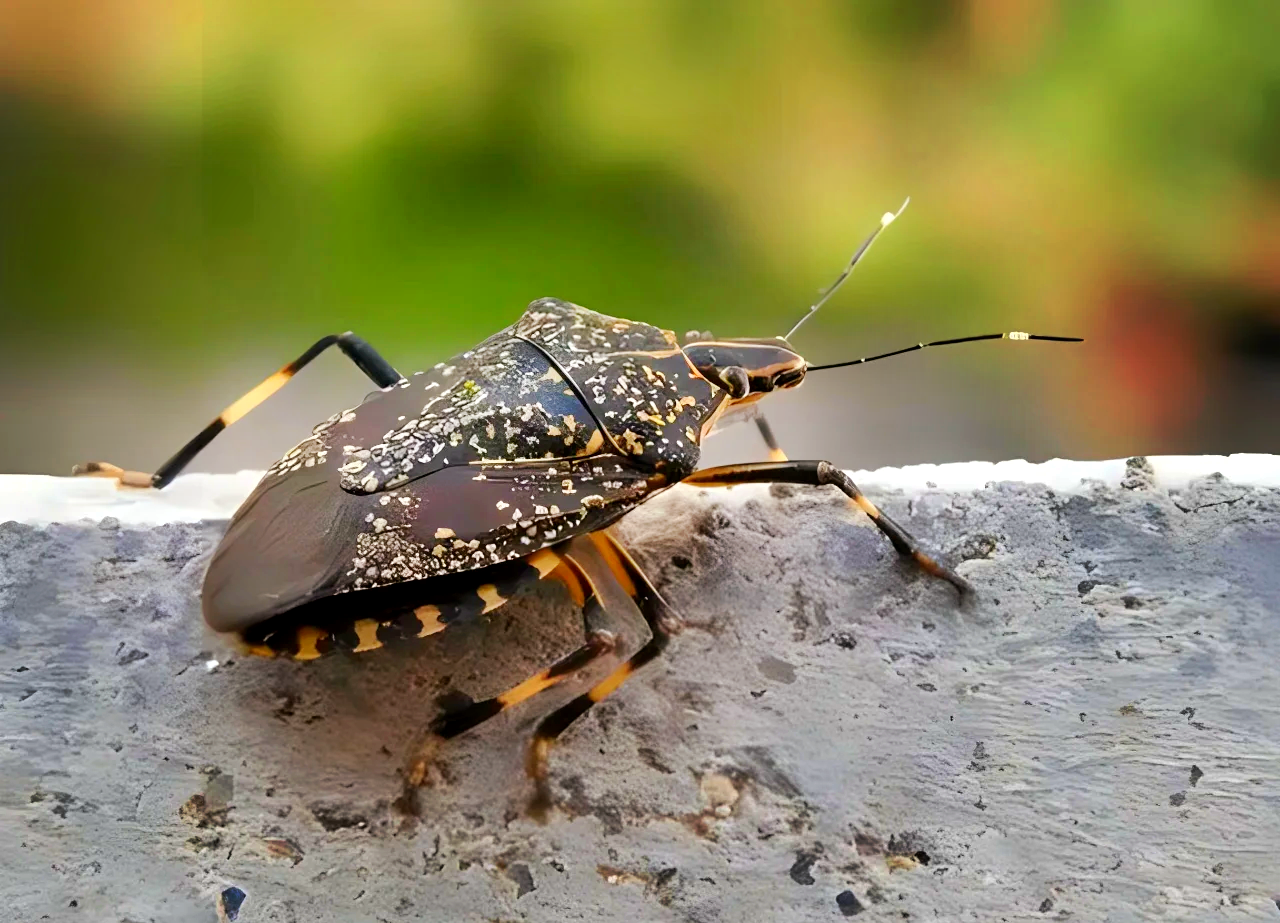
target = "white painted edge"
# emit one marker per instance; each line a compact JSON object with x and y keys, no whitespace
{"x":42,"y":499}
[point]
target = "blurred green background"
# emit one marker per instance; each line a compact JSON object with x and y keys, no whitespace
{"x":190,"y":194}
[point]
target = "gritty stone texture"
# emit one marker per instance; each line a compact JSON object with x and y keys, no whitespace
{"x":1095,"y":737}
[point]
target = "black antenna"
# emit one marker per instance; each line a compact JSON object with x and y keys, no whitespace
{"x":1011,"y":335}
{"x":885,"y":221}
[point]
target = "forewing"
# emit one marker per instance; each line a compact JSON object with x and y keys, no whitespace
{"x":466,"y":517}
{"x":300,"y":537}
{"x":502,"y":401}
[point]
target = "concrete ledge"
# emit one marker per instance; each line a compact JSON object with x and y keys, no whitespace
{"x":39,"y":499}
{"x":1096,"y":737}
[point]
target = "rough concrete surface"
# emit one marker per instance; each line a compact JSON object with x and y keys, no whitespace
{"x":1095,"y":737}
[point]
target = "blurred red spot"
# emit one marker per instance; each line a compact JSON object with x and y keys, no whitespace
{"x":1154,"y":357}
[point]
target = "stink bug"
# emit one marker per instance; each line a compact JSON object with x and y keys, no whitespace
{"x":434,"y":500}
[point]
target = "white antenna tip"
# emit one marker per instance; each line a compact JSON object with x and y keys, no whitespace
{"x":890,"y":217}
{"x":1018,"y":335}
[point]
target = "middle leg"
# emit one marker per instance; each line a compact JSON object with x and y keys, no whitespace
{"x":597,"y":643}
{"x":663,"y":623}
{"x":603,"y":603}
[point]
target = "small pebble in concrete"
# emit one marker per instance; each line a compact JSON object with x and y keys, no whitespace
{"x":229,"y":903}
{"x":133,"y":656}
{"x":848,"y":903}
{"x":1138,"y":474}
{"x":720,"y":793}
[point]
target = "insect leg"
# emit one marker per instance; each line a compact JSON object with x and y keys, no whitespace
{"x":356,"y":349}
{"x":766,"y":433}
{"x":636,"y":583}
{"x":552,"y":565}
{"x":859,"y":501}
{"x":663,"y":623}
{"x":820,"y":473}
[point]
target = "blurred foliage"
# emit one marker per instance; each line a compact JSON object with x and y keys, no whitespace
{"x":189,"y":182}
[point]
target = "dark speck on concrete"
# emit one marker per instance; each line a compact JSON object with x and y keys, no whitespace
{"x":1177,"y":799}
{"x":654,"y":760}
{"x":520,"y":874}
{"x":133,"y":656}
{"x":1196,"y":775}
{"x":844,"y":639}
{"x":848,"y":903}
{"x":800,"y":868}
{"x":230,"y":902}
{"x":1046,"y":905}
{"x":338,"y":817}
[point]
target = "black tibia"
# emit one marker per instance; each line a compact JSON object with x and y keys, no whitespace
{"x":766,"y":433}
{"x":821,"y":473}
{"x":357,"y":350}
{"x":662,"y":621}
{"x":598,"y":642}
{"x":457,"y":722}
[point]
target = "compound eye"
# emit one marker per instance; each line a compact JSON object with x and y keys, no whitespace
{"x":736,"y":381}
{"x":789,"y":377}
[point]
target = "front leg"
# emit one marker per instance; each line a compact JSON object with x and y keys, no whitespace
{"x":821,"y":473}
{"x":770,"y":440}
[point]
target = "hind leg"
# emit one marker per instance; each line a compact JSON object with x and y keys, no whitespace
{"x":356,"y":349}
